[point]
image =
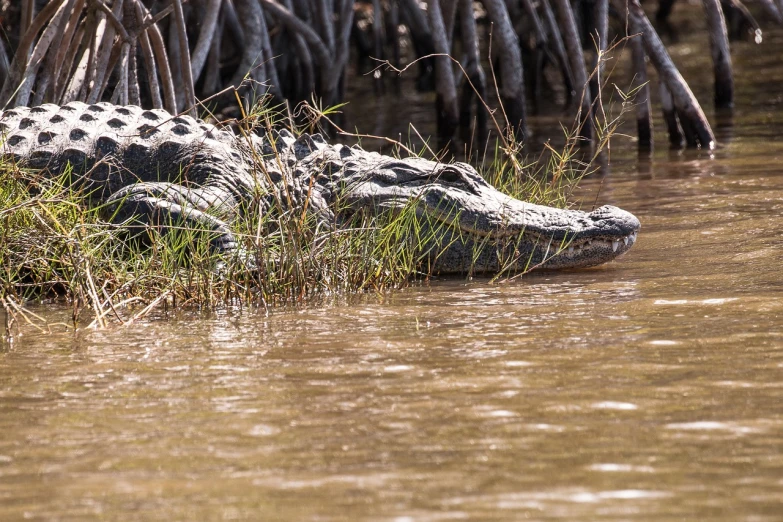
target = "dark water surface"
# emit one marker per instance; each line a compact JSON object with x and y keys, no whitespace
{"x":648,"y":389}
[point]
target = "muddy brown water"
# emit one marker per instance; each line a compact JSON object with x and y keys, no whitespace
{"x":647,"y":389}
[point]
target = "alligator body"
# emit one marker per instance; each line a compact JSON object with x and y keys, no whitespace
{"x":156,"y":168}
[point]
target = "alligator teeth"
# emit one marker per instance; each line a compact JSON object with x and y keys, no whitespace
{"x":570,"y":250}
{"x":625,"y":240}
{"x":615,"y":244}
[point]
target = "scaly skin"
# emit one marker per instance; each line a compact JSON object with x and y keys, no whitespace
{"x":150,"y":167}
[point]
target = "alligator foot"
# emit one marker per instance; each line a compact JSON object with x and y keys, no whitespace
{"x":166,"y":207}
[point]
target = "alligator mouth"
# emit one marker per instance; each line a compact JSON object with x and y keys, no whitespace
{"x":569,"y":248}
{"x":521,"y":248}
{"x":576,"y":248}
{"x":571,"y":244}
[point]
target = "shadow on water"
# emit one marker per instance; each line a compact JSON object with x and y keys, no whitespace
{"x":646,"y":389}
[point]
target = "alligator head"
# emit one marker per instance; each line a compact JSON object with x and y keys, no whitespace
{"x":472,"y":227}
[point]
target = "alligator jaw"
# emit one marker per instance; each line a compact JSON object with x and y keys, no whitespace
{"x":575,"y":248}
{"x":589,"y":252}
{"x":515,"y":236}
{"x":597,"y":237}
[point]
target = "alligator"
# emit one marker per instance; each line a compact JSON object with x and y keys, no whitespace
{"x":148,"y":167}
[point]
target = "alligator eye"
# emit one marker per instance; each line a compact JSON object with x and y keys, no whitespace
{"x":452,"y":176}
{"x":449,"y":175}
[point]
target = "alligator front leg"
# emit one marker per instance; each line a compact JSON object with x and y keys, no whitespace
{"x":168,"y":206}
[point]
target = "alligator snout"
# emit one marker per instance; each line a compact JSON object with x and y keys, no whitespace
{"x":614,"y":221}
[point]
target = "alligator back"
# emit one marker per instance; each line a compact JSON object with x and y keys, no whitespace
{"x":109,"y":147}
